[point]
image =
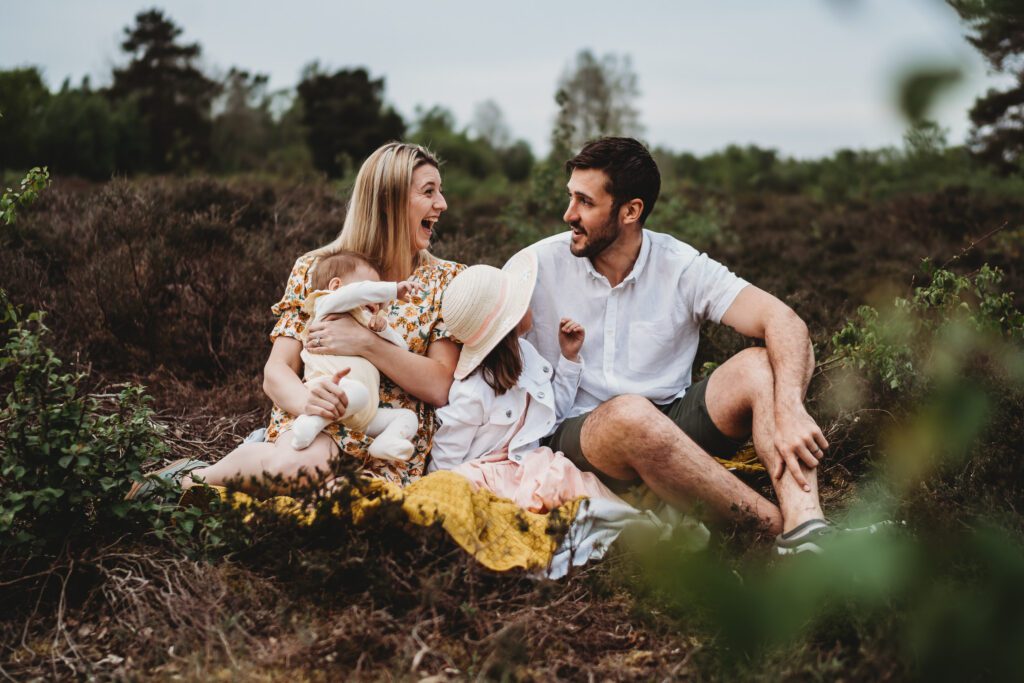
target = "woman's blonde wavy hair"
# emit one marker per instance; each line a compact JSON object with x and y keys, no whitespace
{"x":377,"y":221}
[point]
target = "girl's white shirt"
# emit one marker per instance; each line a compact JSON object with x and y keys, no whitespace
{"x":477,"y":421}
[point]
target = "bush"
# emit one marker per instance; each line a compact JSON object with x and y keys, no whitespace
{"x":896,"y":348}
{"x":32,"y":184}
{"x":66,"y":459}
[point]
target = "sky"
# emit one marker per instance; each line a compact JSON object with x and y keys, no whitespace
{"x":806,"y":77}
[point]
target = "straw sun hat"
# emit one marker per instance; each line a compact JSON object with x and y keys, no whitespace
{"x":483,"y":304}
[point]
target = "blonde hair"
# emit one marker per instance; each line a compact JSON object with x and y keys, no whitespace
{"x":377,"y":220}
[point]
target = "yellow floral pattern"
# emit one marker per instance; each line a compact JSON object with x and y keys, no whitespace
{"x":418,"y":321}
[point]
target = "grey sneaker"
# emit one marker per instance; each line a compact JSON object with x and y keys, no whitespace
{"x":809,"y":537}
{"x":815,"y":535}
{"x":155,"y":482}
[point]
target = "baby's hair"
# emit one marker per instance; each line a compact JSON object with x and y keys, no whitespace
{"x":503,"y":365}
{"x":340,"y":264}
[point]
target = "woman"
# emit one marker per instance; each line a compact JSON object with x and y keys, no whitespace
{"x":395,"y":204}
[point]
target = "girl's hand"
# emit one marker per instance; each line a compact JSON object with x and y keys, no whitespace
{"x":326,"y":399}
{"x":342,"y":337}
{"x":570,"y":339}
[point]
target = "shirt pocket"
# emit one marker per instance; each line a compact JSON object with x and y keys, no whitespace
{"x":502,"y":416}
{"x":651,"y":347}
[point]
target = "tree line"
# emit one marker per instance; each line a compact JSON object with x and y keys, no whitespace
{"x":162,"y":114}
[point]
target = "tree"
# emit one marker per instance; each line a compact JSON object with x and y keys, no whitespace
{"x":345,"y":117}
{"x":517,"y":161}
{"x":23,"y":96}
{"x":595,"y":97}
{"x":489,"y":124}
{"x":997,"y":27}
{"x":172,"y":95}
{"x":436,"y":129}
{"x":241,"y":135}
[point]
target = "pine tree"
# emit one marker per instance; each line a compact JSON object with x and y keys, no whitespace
{"x":997,"y":30}
{"x":172,"y":95}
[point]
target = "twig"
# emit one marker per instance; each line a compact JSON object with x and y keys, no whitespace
{"x":966,"y":250}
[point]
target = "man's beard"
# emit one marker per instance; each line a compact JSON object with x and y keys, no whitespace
{"x":597,"y":239}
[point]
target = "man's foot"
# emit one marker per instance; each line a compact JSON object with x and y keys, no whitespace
{"x":815,"y":535}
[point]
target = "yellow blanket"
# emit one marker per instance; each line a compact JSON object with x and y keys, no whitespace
{"x":494,"y":530}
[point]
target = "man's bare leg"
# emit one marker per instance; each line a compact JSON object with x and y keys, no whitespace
{"x":740,"y":400}
{"x":628,"y":437}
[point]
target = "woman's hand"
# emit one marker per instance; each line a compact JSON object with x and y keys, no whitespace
{"x":342,"y":337}
{"x":326,"y":399}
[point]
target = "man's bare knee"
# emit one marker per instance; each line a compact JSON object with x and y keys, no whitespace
{"x":627,"y":434}
{"x":612,"y":432}
{"x":755,"y":366}
{"x":741,"y":383}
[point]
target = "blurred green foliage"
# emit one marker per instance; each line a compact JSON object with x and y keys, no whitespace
{"x":945,"y":317}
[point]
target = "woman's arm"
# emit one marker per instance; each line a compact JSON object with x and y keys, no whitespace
{"x":321,"y":396}
{"x":428,"y":378}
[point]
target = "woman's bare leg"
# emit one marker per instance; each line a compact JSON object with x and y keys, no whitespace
{"x":258,"y":463}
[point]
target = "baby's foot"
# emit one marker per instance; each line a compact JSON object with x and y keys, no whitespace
{"x":391,"y":448}
{"x":304,"y":430}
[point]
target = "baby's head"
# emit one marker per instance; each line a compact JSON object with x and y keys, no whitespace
{"x":487,"y":309}
{"x":342,"y":268}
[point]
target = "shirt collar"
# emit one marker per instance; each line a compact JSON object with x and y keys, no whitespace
{"x":641,"y":260}
{"x":638,"y":267}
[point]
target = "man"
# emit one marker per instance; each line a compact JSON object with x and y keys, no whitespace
{"x":642,"y":296}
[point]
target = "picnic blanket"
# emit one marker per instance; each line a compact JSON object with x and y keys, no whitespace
{"x":495,"y":531}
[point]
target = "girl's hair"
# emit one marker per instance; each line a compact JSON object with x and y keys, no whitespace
{"x":340,"y":265}
{"x":377,"y":220}
{"x":503,"y":365}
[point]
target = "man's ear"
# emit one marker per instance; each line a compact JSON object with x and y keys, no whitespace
{"x":630,"y":211}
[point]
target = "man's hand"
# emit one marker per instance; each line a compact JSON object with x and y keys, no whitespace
{"x":570,"y":339}
{"x":326,"y":399}
{"x":342,"y":337}
{"x":798,"y":439}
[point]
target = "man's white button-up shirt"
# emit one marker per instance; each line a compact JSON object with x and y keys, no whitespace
{"x":642,"y":335}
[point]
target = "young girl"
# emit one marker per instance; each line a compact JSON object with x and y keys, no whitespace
{"x":506,"y":397}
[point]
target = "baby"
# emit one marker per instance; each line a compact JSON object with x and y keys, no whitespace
{"x":348,"y":283}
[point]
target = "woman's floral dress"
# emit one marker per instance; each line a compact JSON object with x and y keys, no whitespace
{"x":418,"y":321}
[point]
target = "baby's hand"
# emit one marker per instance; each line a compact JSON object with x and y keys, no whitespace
{"x":570,"y":339}
{"x":378,"y":321}
{"x":405,"y":290}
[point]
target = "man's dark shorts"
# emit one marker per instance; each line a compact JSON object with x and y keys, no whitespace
{"x":689,"y":412}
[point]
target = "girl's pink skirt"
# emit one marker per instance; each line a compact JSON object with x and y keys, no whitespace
{"x":542,"y":481}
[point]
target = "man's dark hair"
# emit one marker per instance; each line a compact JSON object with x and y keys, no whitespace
{"x":632,"y":173}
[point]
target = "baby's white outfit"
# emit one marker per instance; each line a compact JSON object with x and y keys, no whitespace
{"x":392,"y":427}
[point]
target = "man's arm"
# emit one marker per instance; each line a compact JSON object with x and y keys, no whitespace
{"x":756,"y":313}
